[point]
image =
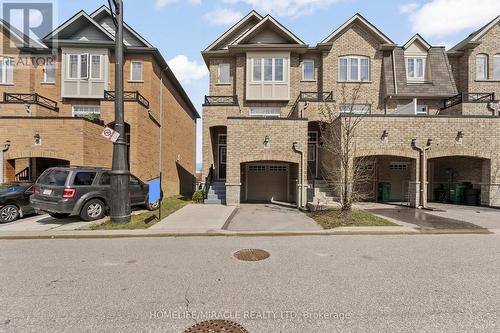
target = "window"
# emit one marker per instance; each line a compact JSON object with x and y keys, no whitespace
{"x":398,"y":166}
{"x":224,"y":75}
{"x":308,"y":70}
{"x":53,"y":176}
{"x":265,"y":112}
{"x":422,"y":109}
{"x":136,"y":71}
{"x":312,"y":137}
{"x":269,"y":69}
{"x":79,"y":66}
{"x":496,"y":67}
{"x":481,"y":67}
{"x":84,"y":178}
{"x":105,"y":179}
{"x":222,"y":139}
{"x":278,"y":168}
{"x":95,"y":72}
{"x":84,"y":66}
{"x":355,"y":108}
{"x":415,"y":69}
{"x":73,"y":66}
{"x":257,"y":168}
{"x":6,"y":71}
{"x":311,"y":152}
{"x":354,"y":68}
{"x":83,"y":111}
{"x":50,"y":73}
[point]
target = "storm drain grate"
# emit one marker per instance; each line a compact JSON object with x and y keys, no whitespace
{"x":251,"y":255}
{"x":216,"y":326}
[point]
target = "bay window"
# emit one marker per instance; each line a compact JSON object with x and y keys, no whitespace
{"x":80,"y":66}
{"x":415,"y":69}
{"x":269,"y":69}
{"x":354,"y":68}
{"x":481,"y":67}
{"x":96,"y":63}
{"x":6,"y":71}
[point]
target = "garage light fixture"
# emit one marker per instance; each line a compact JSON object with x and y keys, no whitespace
{"x":460,"y":137}
{"x":38,"y":139}
{"x":385,"y":136}
{"x":267,"y":140}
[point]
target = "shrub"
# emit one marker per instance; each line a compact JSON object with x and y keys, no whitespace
{"x":198,"y":196}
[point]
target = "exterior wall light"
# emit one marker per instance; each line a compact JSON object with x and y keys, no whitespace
{"x":27,"y":108}
{"x":267,"y":140}
{"x":38,"y":139}
{"x":385,"y":136}
{"x":460,"y":137}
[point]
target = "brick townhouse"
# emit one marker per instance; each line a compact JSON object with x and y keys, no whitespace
{"x":58,"y":94}
{"x":261,"y":120}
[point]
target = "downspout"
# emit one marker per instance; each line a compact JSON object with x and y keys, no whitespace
{"x":423,"y":170}
{"x":6,"y":147}
{"x":301,"y":173}
{"x":394,"y":73}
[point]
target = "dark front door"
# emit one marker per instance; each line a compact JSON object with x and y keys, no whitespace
{"x":312,"y":160}
{"x":222,"y":161}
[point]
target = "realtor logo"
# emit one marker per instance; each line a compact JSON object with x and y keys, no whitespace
{"x":27,"y":23}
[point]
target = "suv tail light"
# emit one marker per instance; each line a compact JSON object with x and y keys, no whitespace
{"x":69,"y":193}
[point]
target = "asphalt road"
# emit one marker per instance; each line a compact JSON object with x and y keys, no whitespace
{"x":349,"y":283}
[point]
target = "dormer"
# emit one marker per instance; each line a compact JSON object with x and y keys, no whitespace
{"x":416,"y":54}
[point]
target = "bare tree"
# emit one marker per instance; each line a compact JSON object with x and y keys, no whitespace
{"x":347,"y":174}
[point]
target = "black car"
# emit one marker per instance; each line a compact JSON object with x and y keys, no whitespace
{"x":64,"y":192}
{"x":15,"y":202}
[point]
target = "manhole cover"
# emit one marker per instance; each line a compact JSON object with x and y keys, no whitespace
{"x":216,"y":326}
{"x":251,"y":255}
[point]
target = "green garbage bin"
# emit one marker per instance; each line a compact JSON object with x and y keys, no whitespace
{"x":384,"y":192}
{"x":457,"y":193}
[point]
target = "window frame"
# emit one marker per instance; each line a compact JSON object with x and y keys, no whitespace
{"x":45,"y":80}
{"x":5,"y":77}
{"x":349,"y":59}
{"x":254,"y":112}
{"x":415,"y":59}
{"x":485,"y":66}
{"x":100,"y":78}
{"x":132,"y":79}
{"x":219,"y":67}
{"x":273,"y":70}
{"x":367,"y":106}
{"x":88,"y":113}
{"x":304,"y":78}
{"x":496,"y":67}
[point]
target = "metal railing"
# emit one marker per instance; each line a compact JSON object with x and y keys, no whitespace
{"x":23,"y":175}
{"x":21,"y":98}
{"x":208,"y":181}
{"x":466,"y":97}
{"x":221,"y":101}
{"x":310,"y":97}
{"x":128,"y":96}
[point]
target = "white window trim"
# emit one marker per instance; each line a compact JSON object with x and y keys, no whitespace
{"x":101,"y":67}
{"x":424,"y":66}
{"x":132,"y":73}
{"x":486,"y":67}
{"x":86,"y":106}
{"x":259,"y":112}
{"x":45,"y":81}
{"x":3,"y":79}
{"x":262,"y":72}
{"x":304,"y":70}
{"x":79,"y":76}
{"x":348,"y":76}
{"x":495,"y":68}
{"x":219,"y":73}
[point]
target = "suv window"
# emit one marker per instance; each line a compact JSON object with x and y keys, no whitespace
{"x":105,"y":179}
{"x":53,"y":177}
{"x":84,"y":178}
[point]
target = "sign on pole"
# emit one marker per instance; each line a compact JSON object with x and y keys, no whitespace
{"x":154,"y":190}
{"x":110,"y":134}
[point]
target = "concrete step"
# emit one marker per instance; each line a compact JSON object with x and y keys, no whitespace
{"x":214,"y":202}
{"x":216,"y":196}
{"x":215,"y":191}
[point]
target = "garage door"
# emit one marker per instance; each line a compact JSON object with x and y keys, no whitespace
{"x":266,"y":182}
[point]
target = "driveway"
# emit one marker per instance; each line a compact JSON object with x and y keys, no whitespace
{"x":43,"y":223}
{"x":270,"y":217}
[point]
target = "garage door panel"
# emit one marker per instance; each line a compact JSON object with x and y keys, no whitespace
{"x":267,"y":182}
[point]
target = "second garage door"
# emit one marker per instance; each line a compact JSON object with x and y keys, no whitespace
{"x":267,"y":182}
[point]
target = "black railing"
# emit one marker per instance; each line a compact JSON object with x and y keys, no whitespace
{"x":20,"y":98}
{"x":310,"y":97}
{"x":128,"y":96}
{"x":467,"y":97}
{"x":208,"y":181}
{"x":24,"y":175}
{"x":221,"y":100}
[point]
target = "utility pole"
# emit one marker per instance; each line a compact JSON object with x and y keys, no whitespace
{"x":120,"y":197}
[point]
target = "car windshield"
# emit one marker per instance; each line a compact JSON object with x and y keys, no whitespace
{"x":53,"y":177}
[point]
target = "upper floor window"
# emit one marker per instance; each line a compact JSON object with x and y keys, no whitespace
{"x":49,"y":73}
{"x":96,"y":68}
{"x":481,"y":67}
{"x":224,"y":73}
{"x":415,"y":68}
{"x":496,"y":67}
{"x":6,"y":71}
{"x":265,"y":112}
{"x":308,"y":70}
{"x":354,"y":68}
{"x":355,"y":108}
{"x":136,"y":71}
{"x":268,"y":69}
{"x":84,"y":66}
{"x":87,"y":111}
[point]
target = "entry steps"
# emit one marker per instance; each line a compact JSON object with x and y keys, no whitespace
{"x":216,"y":193}
{"x":322,"y":194}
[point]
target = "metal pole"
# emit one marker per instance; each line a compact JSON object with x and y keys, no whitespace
{"x":120,"y":196}
{"x":161,"y":141}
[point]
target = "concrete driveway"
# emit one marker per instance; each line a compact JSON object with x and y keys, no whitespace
{"x":43,"y":223}
{"x":484,"y":217}
{"x":271,"y":217}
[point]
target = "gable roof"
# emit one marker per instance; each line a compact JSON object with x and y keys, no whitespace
{"x":277,"y":27}
{"x":252,"y":16}
{"x":24,"y":41}
{"x":474,"y":38}
{"x":358,"y":18}
{"x":104,"y":12}
{"x":74,"y":24}
{"x":419,"y":39}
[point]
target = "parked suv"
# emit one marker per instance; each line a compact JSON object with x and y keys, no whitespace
{"x":62,"y":192}
{"x":15,"y":201}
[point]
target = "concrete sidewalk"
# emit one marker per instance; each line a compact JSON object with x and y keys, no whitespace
{"x":196,"y":218}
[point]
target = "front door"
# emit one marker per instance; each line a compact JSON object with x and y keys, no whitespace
{"x":222,"y":161}
{"x":312,"y":155}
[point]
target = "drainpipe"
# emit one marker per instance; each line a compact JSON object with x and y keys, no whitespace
{"x":6,"y":147}
{"x":423,"y":169}
{"x":301,"y":173}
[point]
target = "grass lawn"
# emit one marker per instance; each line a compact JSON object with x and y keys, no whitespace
{"x":146,"y":220}
{"x":334,"y":218}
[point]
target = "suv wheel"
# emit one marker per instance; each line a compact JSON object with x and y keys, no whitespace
{"x":93,"y":210}
{"x":9,"y":213}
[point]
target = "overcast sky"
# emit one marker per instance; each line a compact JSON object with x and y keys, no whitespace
{"x":181,"y":29}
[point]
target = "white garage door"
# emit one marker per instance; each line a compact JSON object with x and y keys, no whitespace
{"x":267,"y":182}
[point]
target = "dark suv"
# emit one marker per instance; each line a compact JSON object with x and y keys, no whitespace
{"x":62,"y":192}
